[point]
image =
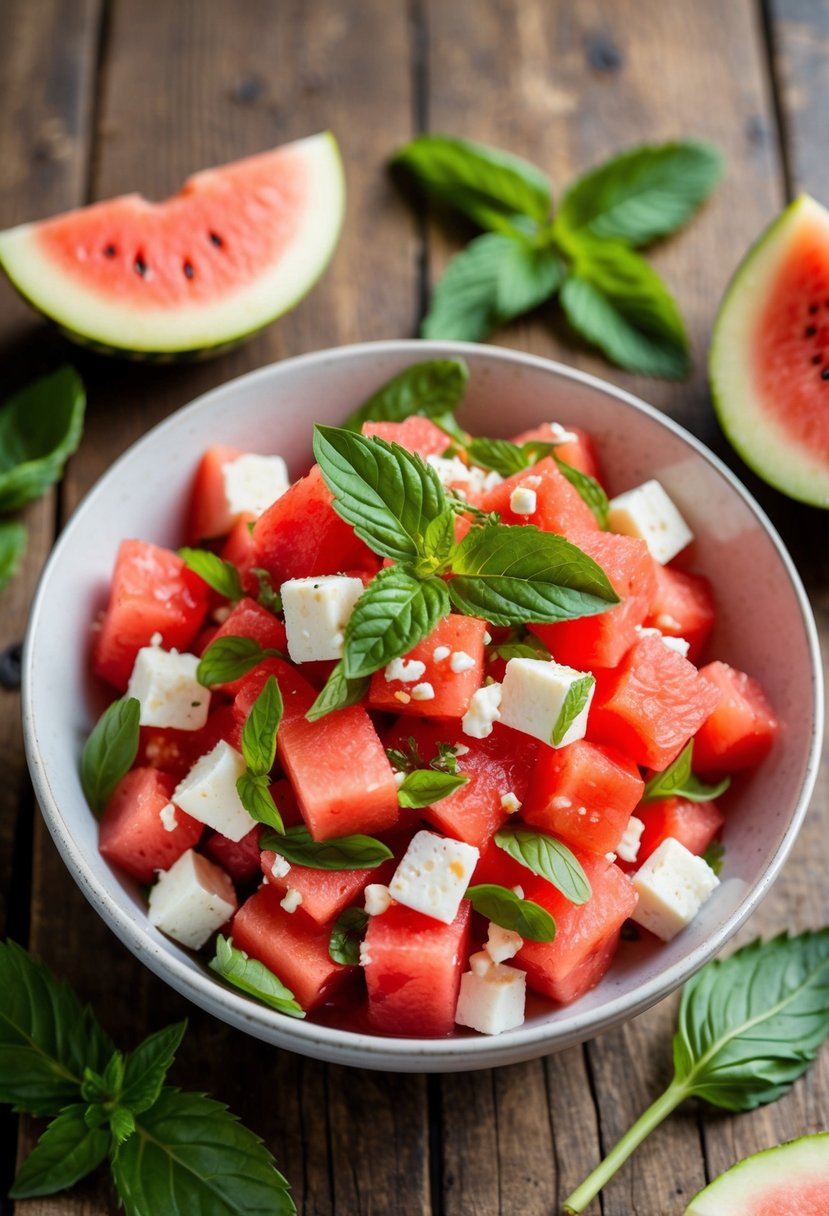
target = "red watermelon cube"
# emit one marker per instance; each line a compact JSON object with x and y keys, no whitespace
{"x":450,"y":663}
{"x":133,"y":834}
{"x":743,"y":726}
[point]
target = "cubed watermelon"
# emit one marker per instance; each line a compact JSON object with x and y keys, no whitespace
{"x":743,"y":726}
{"x":693,"y":824}
{"x":579,"y":452}
{"x":450,"y":665}
{"x":132,"y":833}
{"x":208,"y":515}
{"x":682,"y":606}
{"x":559,"y":506}
{"x":416,"y":434}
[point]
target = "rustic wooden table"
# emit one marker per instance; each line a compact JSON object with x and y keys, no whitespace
{"x":99,"y":97}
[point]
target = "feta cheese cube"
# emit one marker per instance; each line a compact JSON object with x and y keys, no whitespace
{"x":482,"y":712}
{"x":672,"y":885}
{"x":316,"y":613}
{"x":523,"y":501}
{"x":480,"y":962}
{"x":433,"y":874}
{"x":280,"y":868}
{"x":208,"y":792}
{"x":628,"y":847}
{"x":165,"y":684}
{"x":192,"y":900}
{"x":648,"y":512}
{"x":501,"y":943}
{"x":292,"y":900}
{"x":544,"y":699}
{"x":492,"y":1002}
{"x":378,"y":898}
{"x":252,"y":483}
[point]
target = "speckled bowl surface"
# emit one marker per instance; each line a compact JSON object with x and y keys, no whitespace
{"x":761,"y":606}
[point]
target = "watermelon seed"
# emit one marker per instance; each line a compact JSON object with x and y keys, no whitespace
{"x":216,"y":240}
{"x":824,"y":375}
{"x":810,"y":331}
{"x":188,"y":270}
{"x":140,"y":265}
{"x":110,"y":251}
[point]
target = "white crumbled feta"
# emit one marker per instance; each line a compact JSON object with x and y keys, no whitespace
{"x":501,"y":943}
{"x":280,"y":868}
{"x":648,"y":513}
{"x":292,"y":900}
{"x":208,"y":792}
{"x":440,"y":653}
{"x":433,"y":874}
{"x":252,"y":483}
{"x":423,"y":692}
{"x":451,"y":470}
{"x":493,"y":1002}
{"x":156,"y":639}
{"x":561,"y":435}
{"x":482,"y":712}
{"x":405,"y":670}
{"x":167,"y":815}
{"x":535,"y":696}
{"x":399,"y":778}
{"x":518,"y":890}
{"x":628,"y":847}
{"x":678,"y":644}
{"x":460,"y":749}
{"x":523,"y":501}
{"x":461,"y":661}
{"x":672,"y":886}
{"x":316,"y":613}
{"x":487,"y":638}
{"x":561,"y":802}
{"x":165,"y":684}
{"x":378,"y":898}
{"x":191,"y":900}
{"x":480,"y":962}
{"x":221,"y":613}
{"x":510,"y":802}
{"x":611,"y":857}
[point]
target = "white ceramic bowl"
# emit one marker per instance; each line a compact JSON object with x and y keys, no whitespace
{"x":761,"y":601}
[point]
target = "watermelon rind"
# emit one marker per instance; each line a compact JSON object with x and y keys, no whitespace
{"x":786,"y":1172}
{"x":203,"y":330}
{"x":759,"y":437}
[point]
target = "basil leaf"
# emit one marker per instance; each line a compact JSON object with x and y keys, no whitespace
{"x":406,"y":761}
{"x":615,"y":300}
{"x":110,"y":751}
{"x":267,"y":597}
{"x":253,"y":978}
{"x":504,"y":907}
{"x":47,"y":1038}
{"x":575,"y":699}
{"x":337,"y":692}
{"x":513,"y":574}
{"x":40,"y":428}
{"x":493,"y":280}
{"x":548,"y":858}
{"x":229,"y":658}
{"x":255,"y":796}
{"x":259,"y":731}
{"x":394,"y":613}
{"x":387,"y":494}
{"x":588,"y":488}
{"x":446,"y":760}
{"x":121,"y":1124}
{"x":484,"y":183}
{"x":499,"y":454}
{"x":425,"y":786}
{"x":147,"y":1066}
{"x":519,"y":644}
{"x":642,"y":194}
{"x":13,"y":537}
{"x":432,"y":388}
{"x":714,"y":856}
{"x":222,"y":576}
{"x":678,"y":781}
{"x":438,"y":543}
{"x":346,"y":936}
{"x":341,"y":853}
{"x":67,"y":1151}
{"x":189,"y":1154}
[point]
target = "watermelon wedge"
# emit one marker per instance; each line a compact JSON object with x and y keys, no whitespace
{"x":769,"y":359}
{"x":790,"y":1179}
{"x":236,"y":247}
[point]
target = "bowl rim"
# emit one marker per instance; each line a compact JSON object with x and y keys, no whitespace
{"x":355,"y":1047}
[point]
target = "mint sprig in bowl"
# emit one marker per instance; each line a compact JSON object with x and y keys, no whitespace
{"x":759,"y":596}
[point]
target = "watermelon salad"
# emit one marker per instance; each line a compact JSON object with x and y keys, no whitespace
{"x":428,"y":728}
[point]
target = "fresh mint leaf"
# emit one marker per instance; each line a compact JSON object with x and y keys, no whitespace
{"x":425,"y":786}
{"x":394,"y":613}
{"x":615,"y":300}
{"x":513,"y":574}
{"x":519,"y":643}
{"x":575,"y":699}
{"x":146,"y":1067}
{"x":432,"y":388}
{"x":110,"y":751}
{"x":504,"y":907}
{"x":548,"y":858}
{"x":267,"y":597}
{"x":388,"y":495}
{"x":678,"y":781}
{"x":255,"y":796}
{"x":588,"y":488}
{"x":261,"y":726}
{"x":493,"y":280}
{"x":346,"y":936}
{"x":337,"y":692}
{"x":222,"y":576}
{"x":642,"y":194}
{"x":121,"y":1124}
{"x":355,"y":852}
{"x":67,"y":1151}
{"x":229,"y":658}
{"x":190,"y":1154}
{"x":489,"y":186}
{"x":13,"y":537}
{"x":40,"y":428}
{"x":253,"y":978}
{"x":47,"y":1038}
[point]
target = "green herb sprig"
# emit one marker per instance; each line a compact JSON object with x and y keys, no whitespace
{"x":584,"y":253}
{"x":679,"y":781}
{"x":259,"y":752}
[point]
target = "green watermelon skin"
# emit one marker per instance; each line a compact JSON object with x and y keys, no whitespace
{"x":769,"y":357}
{"x":791,"y":1179}
{"x":238,"y":246}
